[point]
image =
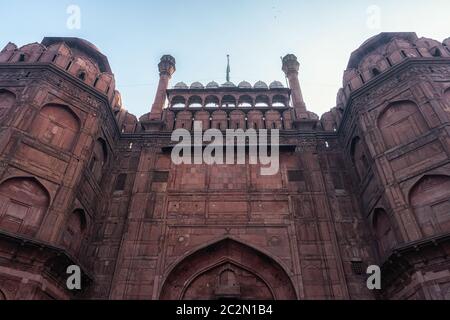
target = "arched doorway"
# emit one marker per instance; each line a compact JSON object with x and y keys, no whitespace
{"x":228,"y":270}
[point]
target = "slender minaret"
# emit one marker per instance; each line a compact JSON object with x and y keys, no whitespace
{"x":290,"y":68}
{"x":166,"y":70}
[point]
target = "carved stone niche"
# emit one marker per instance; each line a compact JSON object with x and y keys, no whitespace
{"x":227,"y":286}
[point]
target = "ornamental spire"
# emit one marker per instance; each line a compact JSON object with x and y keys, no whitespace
{"x":228,"y":68}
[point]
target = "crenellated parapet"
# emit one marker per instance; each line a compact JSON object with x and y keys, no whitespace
{"x":375,"y":58}
{"x":77,"y":57}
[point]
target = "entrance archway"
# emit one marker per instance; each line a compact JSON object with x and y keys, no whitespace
{"x":228,"y":269}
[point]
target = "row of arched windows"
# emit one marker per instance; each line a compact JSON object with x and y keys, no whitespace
{"x":236,"y":119}
{"x":229,"y":101}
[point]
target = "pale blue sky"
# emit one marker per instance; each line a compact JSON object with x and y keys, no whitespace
{"x":134,"y":34}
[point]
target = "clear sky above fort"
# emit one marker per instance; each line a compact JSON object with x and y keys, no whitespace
{"x":200,"y":33}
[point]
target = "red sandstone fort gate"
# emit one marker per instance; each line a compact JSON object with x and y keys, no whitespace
{"x":84,"y":182}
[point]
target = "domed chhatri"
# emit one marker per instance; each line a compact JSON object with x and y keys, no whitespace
{"x":276,"y":85}
{"x":228,"y":85}
{"x":261,"y":85}
{"x":245,"y":85}
{"x":181,"y":85}
{"x":290,"y":63}
{"x":212,"y":85}
{"x":197,"y":85}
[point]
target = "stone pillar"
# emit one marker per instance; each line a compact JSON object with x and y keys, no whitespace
{"x":166,"y":70}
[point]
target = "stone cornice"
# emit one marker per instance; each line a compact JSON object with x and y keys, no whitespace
{"x":386,"y":81}
{"x":52,"y":251}
{"x":82,"y":87}
{"x":403,"y":257}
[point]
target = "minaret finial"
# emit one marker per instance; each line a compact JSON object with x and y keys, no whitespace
{"x":228,"y":68}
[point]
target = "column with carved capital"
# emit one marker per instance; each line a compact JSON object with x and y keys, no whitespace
{"x":153,"y":121}
{"x":303,"y":118}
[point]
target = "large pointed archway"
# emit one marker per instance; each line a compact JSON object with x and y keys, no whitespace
{"x":228,"y":269}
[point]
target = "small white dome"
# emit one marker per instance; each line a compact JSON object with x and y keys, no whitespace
{"x":181,"y":85}
{"x":197,"y":85}
{"x":245,"y":84}
{"x":212,"y":85}
{"x":261,"y":85}
{"x":229,"y":85}
{"x":276,"y":85}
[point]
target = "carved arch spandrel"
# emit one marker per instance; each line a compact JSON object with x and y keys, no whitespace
{"x":219,"y":253}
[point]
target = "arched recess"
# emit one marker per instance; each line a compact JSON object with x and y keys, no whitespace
{"x":219,"y":120}
{"x":279,"y":101}
{"x":212,"y":102}
{"x":262,"y":101}
{"x":255,"y":120}
{"x":195,"y":102}
{"x":183,"y":120}
{"x":359,"y":158}
{"x":56,"y":125}
{"x":245,"y":101}
{"x":401,"y":122}
{"x":430,"y":201}
{"x":74,"y":230}
{"x":203,"y":116}
{"x":227,"y":269}
{"x":273,"y":120}
{"x":237,"y":120}
{"x":384,"y":231}
{"x":228,"y":101}
{"x":178,"y":102}
{"x":7,"y":100}
{"x":99,"y":158}
{"x":23,"y":204}
{"x":447,"y":98}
